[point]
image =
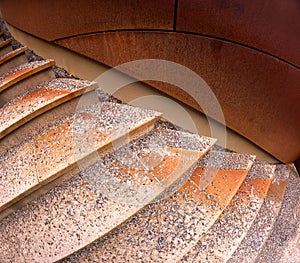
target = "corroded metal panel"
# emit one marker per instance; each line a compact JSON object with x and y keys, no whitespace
{"x":271,"y":26}
{"x":52,"y":20}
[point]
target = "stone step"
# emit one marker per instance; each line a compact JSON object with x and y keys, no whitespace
{"x":68,"y":145}
{"x":164,"y":230}
{"x":22,"y":78}
{"x":12,"y":59}
{"x":263,"y":223}
{"x":37,"y":101}
{"x":5,"y":46}
{"x":222,"y":239}
{"x":90,"y":204}
{"x":283,"y":242}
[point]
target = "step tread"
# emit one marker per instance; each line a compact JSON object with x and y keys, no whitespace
{"x":92,"y":203}
{"x":23,"y":71}
{"x":263,"y":223}
{"x":59,"y":148}
{"x":222,"y":239}
{"x":12,"y":54}
{"x":164,"y":230}
{"x":286,"y":231}
{"x":34,"y":102}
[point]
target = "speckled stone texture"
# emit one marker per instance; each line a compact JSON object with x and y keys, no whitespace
{"x":164,"y":230}
{"x":222,"y":239}
{"x":38,"y":100}
{"x":66,"y":144}
{"x":282,"y":245}
{"x":92,"y":203}
{"x":264,"y":221}
{"x":21,"y":69}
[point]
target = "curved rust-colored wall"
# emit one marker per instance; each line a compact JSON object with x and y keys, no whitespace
{"x":269,"y":25}
{"x":272,"y":26}
{"x":248,"y":52}
{"x":55,"y":19}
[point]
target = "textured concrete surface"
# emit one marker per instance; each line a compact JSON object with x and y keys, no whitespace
{"x":164,"y":230}
{"x":282,"y":244}
{"x":92,"y":203}
{"x":222,"y":239}
{"x":263,"y":224}
{"x":34,"y":102}
{"x":59,"y":148}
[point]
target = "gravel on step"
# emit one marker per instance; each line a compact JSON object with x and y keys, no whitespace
{"x":23,"y":67}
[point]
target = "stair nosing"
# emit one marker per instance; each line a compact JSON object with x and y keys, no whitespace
{"x":32,"y":71}
{"x":60,"y":100}
{"x":7,"y":57}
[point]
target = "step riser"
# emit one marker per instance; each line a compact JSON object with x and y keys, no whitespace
{"x":25,"y":84}
{"x":48,"y":118}
{"x":5,"y":50}
{"x":12,"y":63}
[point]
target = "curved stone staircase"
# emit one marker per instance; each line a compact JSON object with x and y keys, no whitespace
{"x":86,"y":178}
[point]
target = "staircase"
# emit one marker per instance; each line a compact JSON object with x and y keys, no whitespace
{"x":86,"y":178}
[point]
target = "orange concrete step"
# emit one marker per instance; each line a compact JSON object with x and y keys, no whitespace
{"x":264,"y":222}
{"x":49,"y":109}
{"x":12,"y":59}
{"x":282,"y":244}
{"x":5,"y":46}
{"x":90,"y":204}
{"x":222,"y":239}
{"x":68,"y":145}
{"x":20,"y":79}
{"x":166,"y":229}
{"x":35,"y":102}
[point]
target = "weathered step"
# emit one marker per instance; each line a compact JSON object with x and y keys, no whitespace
{"x":92,"y":203}
{"x":69,"y":143}
{"x":263,"y":223}
{"x":22,"y":78}
{"x":50,"y":115}
{"x":222,"y":239}
{"x":12,"y":59}
{"x":35,"y":102}
{"x":166,"y":229}
{"x":5,"y":46}
{"x":282,"y":242}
